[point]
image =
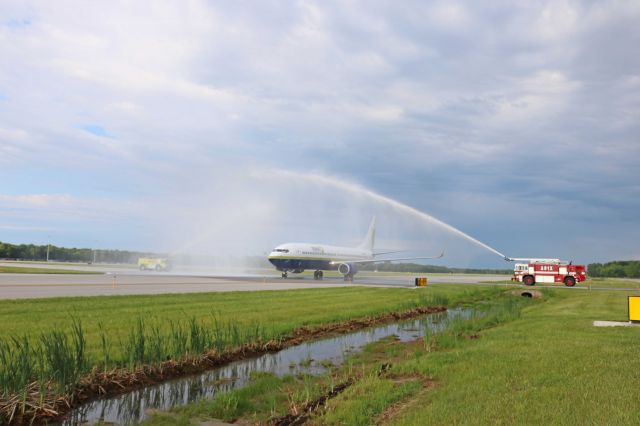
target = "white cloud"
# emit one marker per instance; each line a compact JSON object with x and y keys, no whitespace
{"x":69,"y":206}
{"x":557,"y":21}
{"x":14,"y":135}
{"x":545,"y":94}
{"x":126,"y":107}
{"x":25,"y":228}
{"x":449,"y":15}
{"x":422,"y":96}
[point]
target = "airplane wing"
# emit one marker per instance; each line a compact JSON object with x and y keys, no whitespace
{"x":388,"y":252}
{"x":388,"y":260}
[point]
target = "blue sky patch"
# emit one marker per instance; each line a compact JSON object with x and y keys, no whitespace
{"x":96,"y":130}
{"x":18,"y":23}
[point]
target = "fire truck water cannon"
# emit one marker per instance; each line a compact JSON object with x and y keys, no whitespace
{"x":553,"y":271}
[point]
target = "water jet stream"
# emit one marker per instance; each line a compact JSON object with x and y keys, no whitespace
{"x":362,"y":191}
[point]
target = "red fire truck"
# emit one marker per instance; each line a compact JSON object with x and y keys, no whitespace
{"x":548,"y":271}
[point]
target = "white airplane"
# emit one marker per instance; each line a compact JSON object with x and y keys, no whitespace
{"x":296,"y":257}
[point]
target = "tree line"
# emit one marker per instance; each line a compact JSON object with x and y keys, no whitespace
{"x":63,"y":254}
{"x":616,"y":269}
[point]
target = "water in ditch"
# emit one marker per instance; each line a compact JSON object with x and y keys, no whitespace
{"x":306,"y":358}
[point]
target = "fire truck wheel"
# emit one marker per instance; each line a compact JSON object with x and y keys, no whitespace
{"x":569,"y":281}
{"x":528,"y":280}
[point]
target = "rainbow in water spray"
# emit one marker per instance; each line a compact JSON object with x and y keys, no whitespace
{"x":359,"y":190}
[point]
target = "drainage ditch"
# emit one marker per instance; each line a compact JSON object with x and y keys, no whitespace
{"x":307,"y":358}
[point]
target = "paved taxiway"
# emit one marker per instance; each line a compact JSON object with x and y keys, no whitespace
{"x":127,"y":282}
{"x":21,"y":286}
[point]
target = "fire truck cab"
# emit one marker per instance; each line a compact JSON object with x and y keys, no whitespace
{"x":548,"y":271}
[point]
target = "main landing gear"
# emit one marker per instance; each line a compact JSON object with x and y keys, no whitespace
{"x":284,"y":274}
{"x":317,"y":275}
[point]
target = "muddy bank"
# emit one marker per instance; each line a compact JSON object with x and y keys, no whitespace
{"x":299,"y":417}
{"x":20,"y":410}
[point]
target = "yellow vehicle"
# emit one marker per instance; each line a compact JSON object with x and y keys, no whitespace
{"x":153,"y":264}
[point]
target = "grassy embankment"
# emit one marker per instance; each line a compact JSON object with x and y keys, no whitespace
{"x":282,"y":311}
{"x":62,"y":340}
{"x":550,"y":366}
{"x":546,"y":364}
{"x":27,"y":270}
{"x":590,"y":283}
{"x":611,"y":283}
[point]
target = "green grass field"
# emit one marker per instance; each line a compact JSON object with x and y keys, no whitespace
{"x":549,"y":366}
{"x":278,"y":311}
{"x":58,"y":342}
{"x":611,"y":283}
{"x":546,"y":365}
{"x":28,"y":270}
{"x":590,"y":283}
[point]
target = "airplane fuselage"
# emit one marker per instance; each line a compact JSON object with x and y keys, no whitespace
{"x":296,"y":257}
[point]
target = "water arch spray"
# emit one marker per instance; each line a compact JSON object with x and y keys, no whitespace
{"x":361,"y":191}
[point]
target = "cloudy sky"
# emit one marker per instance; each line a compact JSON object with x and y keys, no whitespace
{"x":211,"y":125}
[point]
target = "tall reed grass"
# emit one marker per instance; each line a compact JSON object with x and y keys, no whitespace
{"x":459,"y":328}
{"x":59,"y":355}
{"x":55,"y":360}
{"x":427,"y":299}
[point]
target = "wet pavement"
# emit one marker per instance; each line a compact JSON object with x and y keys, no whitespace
{"x":118,"y":280}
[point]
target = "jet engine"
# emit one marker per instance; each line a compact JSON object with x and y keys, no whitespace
{"x":347,"y":268}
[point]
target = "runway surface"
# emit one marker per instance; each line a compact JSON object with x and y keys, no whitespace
{"x":127,"y":281}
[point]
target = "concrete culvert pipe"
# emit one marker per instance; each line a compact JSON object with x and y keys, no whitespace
{"x":535,"y":294}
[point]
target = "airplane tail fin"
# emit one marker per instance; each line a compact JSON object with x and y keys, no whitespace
{"x":370,"y":239}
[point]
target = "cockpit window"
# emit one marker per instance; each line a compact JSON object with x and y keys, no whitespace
{"x":281,"y":250}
